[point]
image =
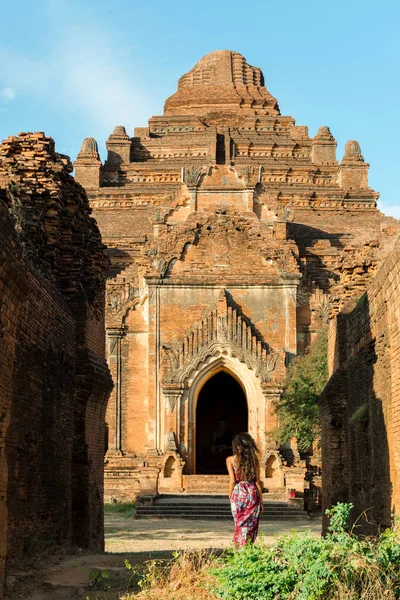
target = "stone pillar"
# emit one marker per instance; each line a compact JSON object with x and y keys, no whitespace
{"x":172,"y":422}
{"x":291,"y":320}
{"x":115,"y":336}
{"x":271,"y":393}
{"x":149,"y":481}
{"x":88,"y":165}
{"x":191,"y":176}
{"x":193,"y":198}
{"x":353,"y":170}
{"x":323,"y":149}
{"x":249,"y":196}
{"x":119,"y":147}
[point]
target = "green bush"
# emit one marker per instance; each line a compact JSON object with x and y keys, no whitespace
{"x":300,"y":567}
{"x":297,"y":408}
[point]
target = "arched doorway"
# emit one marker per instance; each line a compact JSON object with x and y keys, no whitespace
{"x":221,"y":413}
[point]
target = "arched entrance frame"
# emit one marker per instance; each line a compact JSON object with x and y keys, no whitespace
{"x":249,"y":382}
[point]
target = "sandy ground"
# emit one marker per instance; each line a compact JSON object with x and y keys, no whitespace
{"x":70,"y":577}
{"x":145,"y":535}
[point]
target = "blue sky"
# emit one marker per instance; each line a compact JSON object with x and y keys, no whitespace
{"x":77,"y":68}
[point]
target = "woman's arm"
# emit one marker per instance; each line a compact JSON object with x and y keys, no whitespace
{"x":259,"y":487}
{"x":232,"y":480}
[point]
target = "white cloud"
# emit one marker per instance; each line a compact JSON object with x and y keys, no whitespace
{"x":7,"y":94}
{"x":81,"y":73}
{"x":106,"y":94}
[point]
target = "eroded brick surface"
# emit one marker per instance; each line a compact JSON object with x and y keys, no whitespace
{"x":54,"y":381}
{"x":360,"y":407}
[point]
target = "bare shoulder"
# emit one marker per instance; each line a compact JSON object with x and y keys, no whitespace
{"x":229,"y":460}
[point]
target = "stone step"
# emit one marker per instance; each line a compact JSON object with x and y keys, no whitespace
{"x":217,"y":485}
{"x":211,"y":507}
{"x":205,"y":484}
{"x":206,"y":477}
{"x":199,"y":511}
{"x":216,"y":504}
{"x":216,"y":498}
{"x":172,"y":515}
{"x":214,"y":508}
{"x":222,"y":517}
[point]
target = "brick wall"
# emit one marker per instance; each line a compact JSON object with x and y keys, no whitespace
{"x":54,"y":382}
{"x":360,"y":407}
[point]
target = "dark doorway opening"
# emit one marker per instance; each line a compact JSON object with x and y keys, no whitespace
{"x":220,"y":157}
{"x":221,"y":413}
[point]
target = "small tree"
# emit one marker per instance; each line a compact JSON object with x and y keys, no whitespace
{"x":297,"y":408}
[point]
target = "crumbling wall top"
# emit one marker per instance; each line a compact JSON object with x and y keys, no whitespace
{"x":51,"y":213}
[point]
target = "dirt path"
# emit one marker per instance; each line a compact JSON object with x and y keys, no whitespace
{"x":70,"y":578}
{"x":130,"y":535}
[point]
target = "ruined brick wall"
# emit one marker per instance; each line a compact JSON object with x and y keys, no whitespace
{"x":54,"y":382}
{"x":360,"y":407}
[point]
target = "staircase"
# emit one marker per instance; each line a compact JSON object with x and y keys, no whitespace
{"x":210,"y":485}
{"x":213,"y":507}
{"x":217,"y":485}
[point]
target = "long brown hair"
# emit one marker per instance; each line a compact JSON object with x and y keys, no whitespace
{"x":246,"y":453}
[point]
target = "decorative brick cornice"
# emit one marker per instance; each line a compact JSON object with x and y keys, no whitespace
{"x":225,"y":330}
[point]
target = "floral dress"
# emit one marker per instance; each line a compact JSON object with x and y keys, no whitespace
{"x":245,"y":507}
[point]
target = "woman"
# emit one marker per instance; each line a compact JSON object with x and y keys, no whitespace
{"x":245,"y":491}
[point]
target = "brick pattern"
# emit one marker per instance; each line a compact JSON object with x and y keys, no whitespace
{"x":54,"y":382}
{"x":360,"y":406}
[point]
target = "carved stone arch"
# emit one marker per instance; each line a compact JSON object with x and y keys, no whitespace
{"x":268,"y":455}
{"x":224,"y":330}
{"x":272,"y":470}
{"x":170,"y":466}
{"x":223,"y":339}
{"x":197,"y":378}
{"x":212,"y":350}
{"x":210,"y":366}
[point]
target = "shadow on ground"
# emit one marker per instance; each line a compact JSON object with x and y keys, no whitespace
{"x":105,"y":576}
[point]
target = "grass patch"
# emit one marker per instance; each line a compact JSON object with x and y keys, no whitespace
{"x":125,"y":509}
{"x":341,"y":566}
{"x":184,"y":577}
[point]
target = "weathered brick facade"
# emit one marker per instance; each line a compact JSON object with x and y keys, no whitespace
{"x":360,"y":407}
{"x":232,"y":236}
{"x":54,"y":382}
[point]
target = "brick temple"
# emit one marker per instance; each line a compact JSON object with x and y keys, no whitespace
{"x":233,"y":237}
